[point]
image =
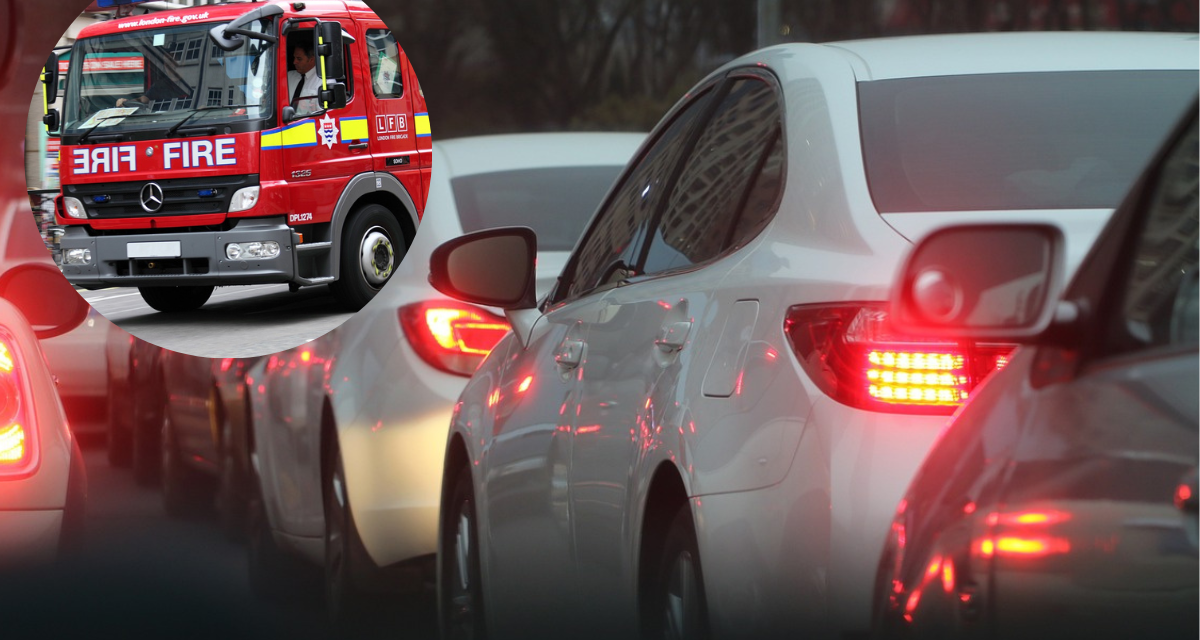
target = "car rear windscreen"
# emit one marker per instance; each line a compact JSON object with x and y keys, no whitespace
{"x":556,"y":202}
{"x":1062,"y":140}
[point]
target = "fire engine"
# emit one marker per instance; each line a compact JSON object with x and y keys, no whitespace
{"x":188,"y":162}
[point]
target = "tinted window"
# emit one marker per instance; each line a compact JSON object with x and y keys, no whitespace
{"x":609,"y":251}
{"x":383,"y":54}
{"x":554,"y":202}
{"x":1015,"y":141}
{"x":698,"y":221}
{"x":1161,"y":296}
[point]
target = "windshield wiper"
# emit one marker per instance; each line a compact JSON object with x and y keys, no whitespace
{"x":175,"y":127}
{"x":93,"y":128}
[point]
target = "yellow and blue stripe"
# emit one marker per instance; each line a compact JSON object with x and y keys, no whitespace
{"x":354,"y":129}
{"x":298,"y":134}
{"x":422,"y":124}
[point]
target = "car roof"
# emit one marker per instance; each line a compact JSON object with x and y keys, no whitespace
{"x":977,"y":53}
{"x":486,"y":154}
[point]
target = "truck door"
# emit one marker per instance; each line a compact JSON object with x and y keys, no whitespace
{"x":320,"y":151}
{"x":395,"y":127}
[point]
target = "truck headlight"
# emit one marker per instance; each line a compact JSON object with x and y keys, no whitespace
{"x":74,"y":208}
{"x":77,"y":256}
{"x":252,"y":250}
{"x":243,"y":199}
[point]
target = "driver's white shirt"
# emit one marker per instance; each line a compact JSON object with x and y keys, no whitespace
{"x":312,"y":84}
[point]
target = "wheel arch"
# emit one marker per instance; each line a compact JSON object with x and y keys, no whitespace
{"x":664,"y":496}
{"x":371,"y":188}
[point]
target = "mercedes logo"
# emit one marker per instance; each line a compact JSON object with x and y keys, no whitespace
{"x":152,"y":197}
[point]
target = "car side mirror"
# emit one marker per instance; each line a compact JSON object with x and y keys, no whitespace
{"x":981,"y":282}
{"x":493,"y":267}
{"x":44,"y":296}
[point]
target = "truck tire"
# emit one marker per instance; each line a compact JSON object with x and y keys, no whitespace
{"x":172,"y":299}
{"x":373,"y":244}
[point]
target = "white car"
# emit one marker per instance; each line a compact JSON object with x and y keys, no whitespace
{"x":43,"y":484}
{"x":707,"y":424}
{"x":350,"y":429}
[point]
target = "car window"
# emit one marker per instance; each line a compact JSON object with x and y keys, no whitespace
{"x":702,"y":211}
{"x":1052,"y":140}
{"x":383,"y":54}
{"x":554,"y":201}
{"x":610,"y":249}
{"x":1160,"y":296}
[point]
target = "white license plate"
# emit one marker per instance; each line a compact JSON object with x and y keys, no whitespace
{"x":153,"y":249}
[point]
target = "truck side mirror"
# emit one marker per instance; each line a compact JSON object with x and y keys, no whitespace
{"x":335,"y":96}
{"x":329,"y":48}
{"x":50,"y":93}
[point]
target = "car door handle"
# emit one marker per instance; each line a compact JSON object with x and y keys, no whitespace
{"x":569,"y":354}
{"x":358,"y":145}
{"x":673,"y":336}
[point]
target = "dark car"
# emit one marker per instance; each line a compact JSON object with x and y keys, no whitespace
{"x":1061,"y":499}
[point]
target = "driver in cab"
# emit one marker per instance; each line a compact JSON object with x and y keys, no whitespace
{"x":303,"y":83}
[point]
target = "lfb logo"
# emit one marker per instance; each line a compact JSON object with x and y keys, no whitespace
{"x":391,"y":124}
{"x":329,"y":131}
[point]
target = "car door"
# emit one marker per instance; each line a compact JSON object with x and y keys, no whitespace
{"x":654,"y":334}
{"x":536,"y":407}
{"x":1096,"y":535}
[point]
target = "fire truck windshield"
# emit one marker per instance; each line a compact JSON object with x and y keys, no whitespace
{"x":153,"y":79}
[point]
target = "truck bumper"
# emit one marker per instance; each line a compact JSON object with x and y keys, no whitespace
{"x":201,"y":261}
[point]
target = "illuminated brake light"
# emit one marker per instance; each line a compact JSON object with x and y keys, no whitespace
{"x":452,"y":336}
{"x":12,"y":444}
{"x":853,"y":355}
{"x":1030,"y":546}
{"x":18,"y":436}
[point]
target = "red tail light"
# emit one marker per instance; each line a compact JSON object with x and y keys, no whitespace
{"x":452,"y":336}
{"x":853,"y":355}
{"x":18,"y":440}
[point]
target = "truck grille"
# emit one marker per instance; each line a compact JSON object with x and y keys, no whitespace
{"x":181,"y":196}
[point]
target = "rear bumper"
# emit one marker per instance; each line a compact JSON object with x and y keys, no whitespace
{"x":201,"y":261}
{"x":29,"y":537}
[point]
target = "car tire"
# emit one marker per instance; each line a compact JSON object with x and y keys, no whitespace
{"x":183,"y":488}
{"x":372,"y":246}
{"x":674,"y":605}
{"x":352,"y":611}
{"x":460,"y":594}
{"x":174,"y":299}
{"x":275,"y":575}
{"x":231,"y":494}
{"x":146,"y":448}
{"x":120,"y":438}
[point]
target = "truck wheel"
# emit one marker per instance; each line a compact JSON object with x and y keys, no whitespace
{"x":372,"y":245}
{"x":171,"y":299}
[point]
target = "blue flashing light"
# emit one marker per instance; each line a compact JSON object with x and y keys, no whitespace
{"x":207,"y":193}
{"x":100,"y":199}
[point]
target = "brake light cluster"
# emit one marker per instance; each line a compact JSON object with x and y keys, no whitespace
{"x":18,"y":446}
{"x":452,"y":336}
{"x":852,"y":354}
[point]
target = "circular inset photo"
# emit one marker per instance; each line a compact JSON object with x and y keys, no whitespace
{"x":228,"y":180}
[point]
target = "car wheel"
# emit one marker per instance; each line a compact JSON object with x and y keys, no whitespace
{"x":373,"y":244}
{"x":350,"y":609}
{"x":173,"y":299}
{"x":231,"y":498}
{"x":183,"y":490}
{"x":674,"y":607}
{"x":460,"y":592}
{"x":275,"y":575}
{"x":120,"y":437}
{"x":146,"y":449}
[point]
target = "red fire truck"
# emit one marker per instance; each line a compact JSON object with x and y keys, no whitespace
{"x":198,"y":151}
